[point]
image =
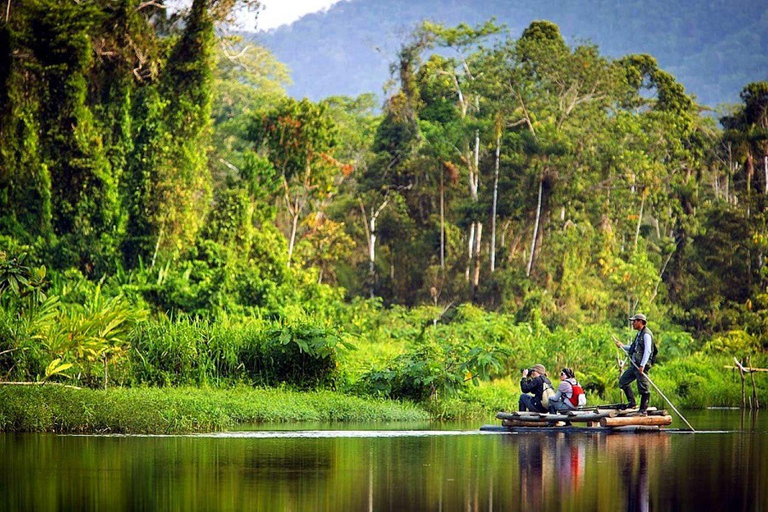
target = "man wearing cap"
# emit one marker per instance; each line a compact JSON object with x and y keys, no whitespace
{"x":534,"y":384}
{"x":640,"y":353}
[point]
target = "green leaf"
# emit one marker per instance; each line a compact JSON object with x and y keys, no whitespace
{"x":56,"y":367}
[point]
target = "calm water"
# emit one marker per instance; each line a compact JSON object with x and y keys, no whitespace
{"x":452,"y":468}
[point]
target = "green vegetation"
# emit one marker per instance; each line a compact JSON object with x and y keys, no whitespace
{"x":182,"y":410}
{"x":514,"y":202}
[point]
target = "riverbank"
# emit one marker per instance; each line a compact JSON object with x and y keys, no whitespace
{"x":183,"y":409}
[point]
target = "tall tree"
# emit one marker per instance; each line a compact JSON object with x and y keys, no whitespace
{"x":299,"y":138}
{"x":84,"y":200}
{"x":169,"y":181}
{"x":464,"y":41}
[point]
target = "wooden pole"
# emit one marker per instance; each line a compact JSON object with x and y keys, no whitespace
{"x":741,"y":372}
{"x":620,"y":365}
{"x":755,"y":401}
{"x":747,"y":369}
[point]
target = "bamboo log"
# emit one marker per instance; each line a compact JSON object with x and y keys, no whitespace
{"x":632,"y":412}
{"x":532,"y":416}
{"x":518,"y":423}
{"x":580,"y":412}
{"x":571,"y":416}
{"x":636,"y":420}
{"x":588,"y":418}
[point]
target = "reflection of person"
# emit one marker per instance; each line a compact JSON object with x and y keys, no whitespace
{"x":640,"y":353}
{"x":531,"y":454}
{"x":533,"y":381}
{"x":638,"y":491}
{"x":561,"y":401}
{"x":570,"y":463}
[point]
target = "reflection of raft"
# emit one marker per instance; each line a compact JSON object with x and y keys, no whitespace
{"x":599,"y":419}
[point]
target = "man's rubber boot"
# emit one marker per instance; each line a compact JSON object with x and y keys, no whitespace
{"x":631,"y":404}
{"x":644,"y":399}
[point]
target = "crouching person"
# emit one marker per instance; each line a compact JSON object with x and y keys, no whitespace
{"x":536,"y":389}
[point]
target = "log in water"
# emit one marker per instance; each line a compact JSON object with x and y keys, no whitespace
{"x":635,"y":420}
{"x":543,"y":419}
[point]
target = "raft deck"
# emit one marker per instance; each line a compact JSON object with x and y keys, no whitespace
{"x":595,"y":420}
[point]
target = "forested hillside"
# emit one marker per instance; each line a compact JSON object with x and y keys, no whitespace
{"x":714,"y":47}
{"x":169,"y":215}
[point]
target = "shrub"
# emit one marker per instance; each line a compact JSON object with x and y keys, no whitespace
{"x":304,"y":355}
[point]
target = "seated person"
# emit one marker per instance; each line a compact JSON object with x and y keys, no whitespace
{"x":567,"y":396}
{"x":534,"y":381}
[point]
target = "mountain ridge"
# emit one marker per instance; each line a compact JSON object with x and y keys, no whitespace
{"x":713,"y":47}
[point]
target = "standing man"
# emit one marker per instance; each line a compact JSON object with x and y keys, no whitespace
{"x":641,"y":353}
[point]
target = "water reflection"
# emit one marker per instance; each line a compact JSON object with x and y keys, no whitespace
{"x":634,"y":456}
{"x":407,"y":472}
{"x":554,"y":469}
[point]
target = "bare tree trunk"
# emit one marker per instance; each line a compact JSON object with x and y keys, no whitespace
{"x":535,"y":229}
{"x":470,"y":247}
{"x":478,"y":239}
{"x":765,"y":168}
{"x":716,"y":186}
{"x":495,"y":199}
{"x":442,"y":220}
{"x":372,"y":252}
{"x":292,"y":240}
{"x":474,"y":182}
{"x":728,"y":175}
{"x":640,"y":217}
{"x":370,"y":228}
{"x":476,"y":165}
{"x":157,"y":245}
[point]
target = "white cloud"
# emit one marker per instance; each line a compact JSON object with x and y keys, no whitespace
{"x":273,"y":13}
{"x":280,"y":12}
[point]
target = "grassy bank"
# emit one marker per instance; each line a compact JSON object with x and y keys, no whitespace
{"x":181,"y":410}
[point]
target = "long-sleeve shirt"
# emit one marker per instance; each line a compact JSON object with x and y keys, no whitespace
{"x":564,"y":392}
{"x":647,"y":349}
{"x":534,"y":386}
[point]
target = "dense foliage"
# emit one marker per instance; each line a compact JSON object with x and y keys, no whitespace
{"x":169,"y":217}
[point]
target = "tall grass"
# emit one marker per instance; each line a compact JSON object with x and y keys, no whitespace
{"x":187,"y":351}
{"x":183,"y":409}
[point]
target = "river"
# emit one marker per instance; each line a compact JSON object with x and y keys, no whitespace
{"x":394,"y":467}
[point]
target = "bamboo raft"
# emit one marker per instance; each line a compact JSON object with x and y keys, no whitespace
{"x":596,"y":419}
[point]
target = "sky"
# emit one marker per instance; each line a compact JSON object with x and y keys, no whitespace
{"x":280,"y":12}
